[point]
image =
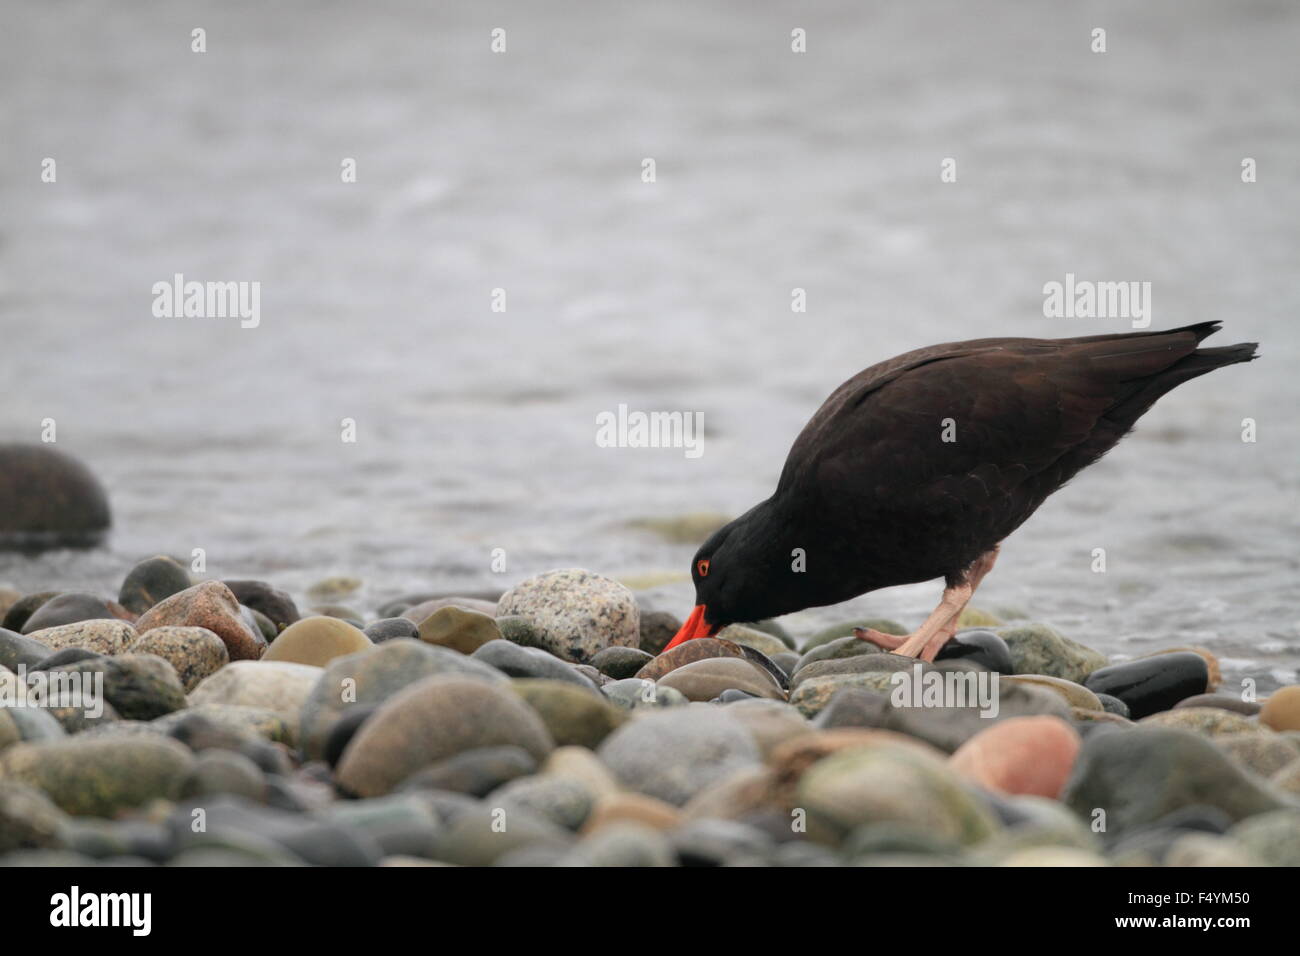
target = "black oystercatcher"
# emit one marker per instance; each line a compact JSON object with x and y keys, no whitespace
{"x":918,"y":467}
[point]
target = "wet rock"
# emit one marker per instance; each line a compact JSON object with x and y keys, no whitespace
{"x":432,"y":720}
{"x":372,"y":677}
{"x":516,"y":661}
{"x":1037,"y":649}
{"x":673,"y":754}
{"x":705,"y":679}
{"x":16,"y":649}
{"x":656,"y":629}
{"x":1281,"y":711}
{"x":100,"y":636}
{"x":391,"y":627}
{"x":572,"y":715}
{"x":276,"y":605}
{"x":194,"y":652}
{"x":1076,"y":695}
{"x":151,"y":581}
{"x":577,"y":613}
{"x":1140,"y":775}
{"x":1020,"y":755}
{"x":69,"y":607}
{"x":138,"y":686}
{"x":278,"y":686}
{"x":888,"y":782}
{"x":979,"y":646}
{"x":1149,"y":685}
{"x":474,"y":772}
{"x":211,"y":605}
{"x":703,"y":648}
{"x":459,"y":629}
{"x":621,"y":662}
{"x":1215,"y":674}
{"x":317,"y":641}
{"x":49,"y":499}
{"x":99,"y":777}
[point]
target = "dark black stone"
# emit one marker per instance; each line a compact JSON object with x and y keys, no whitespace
{"x":24,"y":608}
{"x":48,"y":499}
{"x":151,"y":581}
{"x":1113,"y":705}
{"x":1152,"y":684}
{"x":343,"y":729}
{"x":389,"y":628}
{"x":621,"y":662}
{"x":261,"y":597}
{"x":69,"y":655}
{"x":16,"y":649}
{"x":979,"y":646}
{"x":67,"y":608}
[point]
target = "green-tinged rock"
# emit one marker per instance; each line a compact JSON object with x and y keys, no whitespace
{"x":1138,"y":775}
{"x":372,"y":677}
{"x":194,"y":652}
{"x":573,"y":715}
{"x":459,"y":629}
{"x":974,"y":617}
{"x":1037,"y":649}
{"x":837,"y":631}
{"x":432,"y":720}
{"x":317,"y":641}
{"x":29,"y":820}
{"x":151,"y":581}
{"x":100,"y":777}
{"x":890,"y":782}
{"x":139,"y":686}
{"x":621,"y":662}
{"x":837,"y":649}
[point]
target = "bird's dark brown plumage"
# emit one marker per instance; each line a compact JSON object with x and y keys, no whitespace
{"x":875,"y":497}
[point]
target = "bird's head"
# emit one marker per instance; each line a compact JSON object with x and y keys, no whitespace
{"x":731,"y":583}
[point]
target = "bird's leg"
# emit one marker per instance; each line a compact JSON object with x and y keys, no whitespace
{"x":941,"y":625}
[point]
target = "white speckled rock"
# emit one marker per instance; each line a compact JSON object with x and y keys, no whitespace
{"x":103,"y":636}
{"x":576,"y":613}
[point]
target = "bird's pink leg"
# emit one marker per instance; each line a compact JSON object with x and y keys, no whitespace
{"x":941,"y":625}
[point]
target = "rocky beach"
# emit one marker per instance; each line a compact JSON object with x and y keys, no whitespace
{"x":543,"y":727}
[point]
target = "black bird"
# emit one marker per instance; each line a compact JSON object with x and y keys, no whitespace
{"x":918,"y":468}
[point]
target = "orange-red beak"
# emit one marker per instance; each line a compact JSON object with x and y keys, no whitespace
{"x":694,"y":627}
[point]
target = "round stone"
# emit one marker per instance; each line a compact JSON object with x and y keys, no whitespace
{"x":49,"y":499}
{"x":212,"y":605}
{"x":100,"y":636}
{"x":576,"y":612}
{"x":151,"y":581}
{"x":317,"y":641}
{"x":195,"y":652}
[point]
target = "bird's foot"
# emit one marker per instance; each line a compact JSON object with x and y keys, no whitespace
{"x":888,"y":642}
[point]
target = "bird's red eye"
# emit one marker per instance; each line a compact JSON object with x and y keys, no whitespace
{"x":702,"y":567}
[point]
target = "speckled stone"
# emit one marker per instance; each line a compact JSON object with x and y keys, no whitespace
{"x":1037,"y":649}
{"x":212,"y":605}
{"x":576,"y":612}
{"x":1208,"y":721}
{"x":101,"y":636}
{"x":621,"y":662}
{"x":195,"y":652}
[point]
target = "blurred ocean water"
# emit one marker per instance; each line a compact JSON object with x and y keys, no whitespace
{"x":522,"y":171}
